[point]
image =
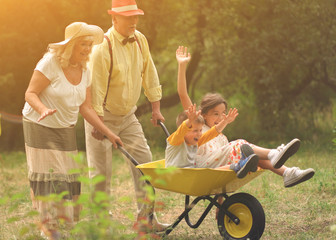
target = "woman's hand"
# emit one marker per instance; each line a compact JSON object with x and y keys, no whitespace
{"x":96,"y":134}
{"x":46,"y":113}
{"x":115,"y":140}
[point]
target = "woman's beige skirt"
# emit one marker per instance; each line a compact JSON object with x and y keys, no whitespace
{"x":50,"y":154}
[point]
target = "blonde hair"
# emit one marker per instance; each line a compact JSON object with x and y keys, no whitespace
{"x":64,"y":52}
{"x":183,"y":116}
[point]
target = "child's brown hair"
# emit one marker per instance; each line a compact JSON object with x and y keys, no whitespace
{"x":211,"y":100}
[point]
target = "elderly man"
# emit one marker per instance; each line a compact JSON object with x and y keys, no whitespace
{"x":120,"y":67}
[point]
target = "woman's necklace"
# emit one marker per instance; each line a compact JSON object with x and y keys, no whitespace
{"x":74,"y":65}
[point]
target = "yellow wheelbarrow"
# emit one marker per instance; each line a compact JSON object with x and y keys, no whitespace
{"x":240,"y":216}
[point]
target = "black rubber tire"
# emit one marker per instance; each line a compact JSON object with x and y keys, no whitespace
{"x":245,"y":204}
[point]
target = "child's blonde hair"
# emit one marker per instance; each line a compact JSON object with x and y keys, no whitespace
{"x":183,"y":116}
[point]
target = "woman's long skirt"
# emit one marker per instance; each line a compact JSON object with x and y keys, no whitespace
{"x":50,"y":160}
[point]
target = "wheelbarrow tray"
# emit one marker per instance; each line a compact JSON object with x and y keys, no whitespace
{"x":194,"y":181}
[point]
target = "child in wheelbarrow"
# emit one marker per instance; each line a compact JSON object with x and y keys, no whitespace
{"x":182,"y":145}
{"x":219,"y":152}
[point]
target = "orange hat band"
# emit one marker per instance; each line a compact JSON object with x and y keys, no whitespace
{"x":124,"y":8}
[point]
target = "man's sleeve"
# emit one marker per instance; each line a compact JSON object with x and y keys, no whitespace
{"x":100,"y":66}
{"x":150,"y":83}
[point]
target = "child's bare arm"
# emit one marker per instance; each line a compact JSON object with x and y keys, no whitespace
{"x":183,"y":57}
{"x":227,"y":119}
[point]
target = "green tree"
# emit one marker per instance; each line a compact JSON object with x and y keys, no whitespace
{"x":274,"y":60}
{"x":279,"y":55}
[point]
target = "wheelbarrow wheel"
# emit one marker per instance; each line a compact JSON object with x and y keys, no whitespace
{"x":250,"y":214}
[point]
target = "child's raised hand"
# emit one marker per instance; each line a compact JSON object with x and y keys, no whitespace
{"x":227,"y":118}
{"x":182,"y":55}
{"x":231,"y":116}
{"x":192,"y":113}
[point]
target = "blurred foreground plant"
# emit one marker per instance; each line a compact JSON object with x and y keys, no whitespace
{"x":95,"y":220}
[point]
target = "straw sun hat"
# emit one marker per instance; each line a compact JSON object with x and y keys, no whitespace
{"x":125,"y":8}
{"x":79,"y":29}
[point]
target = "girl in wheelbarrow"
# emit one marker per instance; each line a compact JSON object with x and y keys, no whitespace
{"x":182,"y":145}
{"x":219,"y":152}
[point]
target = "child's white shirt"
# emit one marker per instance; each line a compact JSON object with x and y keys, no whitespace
{"x":179,"y":153}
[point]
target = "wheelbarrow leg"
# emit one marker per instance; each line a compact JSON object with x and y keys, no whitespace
{"x":177,"y":221}
{"x":184,"y":214}
{"x":212,"y":202}
{"x":188,"y":208}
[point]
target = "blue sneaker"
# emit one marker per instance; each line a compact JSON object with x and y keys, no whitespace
{"x":248,"y":162}
{"x":246,"y":151}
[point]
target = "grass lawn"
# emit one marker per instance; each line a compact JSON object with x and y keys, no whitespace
{"x":306,"y":211}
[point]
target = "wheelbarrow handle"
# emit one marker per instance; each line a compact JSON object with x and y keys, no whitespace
{"x":135,"y":162}
{"x":129,"y":156}
{"x":163,"y":128}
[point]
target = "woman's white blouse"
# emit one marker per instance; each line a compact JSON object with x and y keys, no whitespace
{"x":60,"y":94}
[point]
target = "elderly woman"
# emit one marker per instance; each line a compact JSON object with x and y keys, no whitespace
{"x":58,"y":90}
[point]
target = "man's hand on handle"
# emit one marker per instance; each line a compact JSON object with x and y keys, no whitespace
{"x":156,"y":113}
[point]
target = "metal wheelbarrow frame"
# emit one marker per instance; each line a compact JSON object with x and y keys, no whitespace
{"x":240,"y":216}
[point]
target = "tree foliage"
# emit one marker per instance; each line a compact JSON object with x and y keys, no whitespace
{"x":278,"y":54}
{"x":274,"y":60}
